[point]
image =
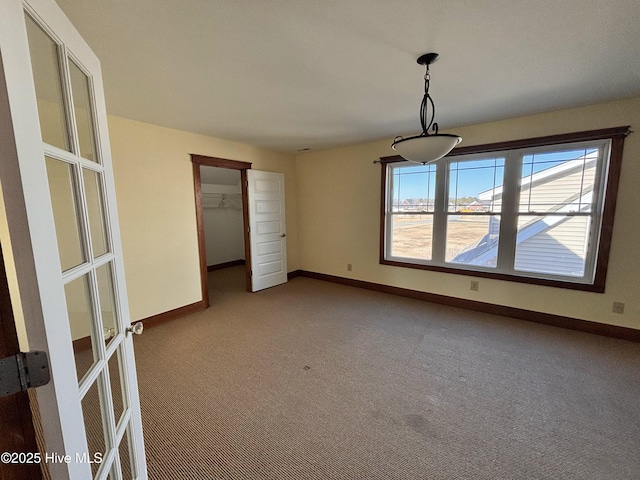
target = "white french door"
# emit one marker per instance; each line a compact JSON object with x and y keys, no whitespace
{"x":267,"y":229}
{"x":57,"y":179}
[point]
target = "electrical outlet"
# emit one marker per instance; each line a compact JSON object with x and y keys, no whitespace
{"x":475,"y":285}
{"x":349,"y":267}
{"x":618,"y":307}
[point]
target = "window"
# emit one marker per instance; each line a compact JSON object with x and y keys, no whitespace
{"x":537,"y":211}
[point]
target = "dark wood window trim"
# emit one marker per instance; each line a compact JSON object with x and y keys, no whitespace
{"x":615,"y":134}
{"x":197,"y":161}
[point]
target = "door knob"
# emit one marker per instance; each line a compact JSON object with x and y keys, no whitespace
{"x":136,"y":328}
{"x":108,"y":333}
{"x":283,"y":235}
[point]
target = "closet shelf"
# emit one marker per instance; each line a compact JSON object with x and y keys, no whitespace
{"x":222,"y":200}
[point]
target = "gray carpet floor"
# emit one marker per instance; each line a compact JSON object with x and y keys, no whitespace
{"x":313,"y":380}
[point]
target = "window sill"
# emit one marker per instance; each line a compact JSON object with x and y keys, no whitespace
{"x":596,"y":287}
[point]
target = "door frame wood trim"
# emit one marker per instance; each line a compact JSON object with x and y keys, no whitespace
{"x":17,"y":421}
{"x":200,"y":160}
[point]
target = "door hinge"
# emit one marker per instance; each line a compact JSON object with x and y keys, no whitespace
{"x":22,"y":371}
{"x":248,"y":229}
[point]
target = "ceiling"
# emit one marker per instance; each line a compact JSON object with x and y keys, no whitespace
{"x":293,"y":74}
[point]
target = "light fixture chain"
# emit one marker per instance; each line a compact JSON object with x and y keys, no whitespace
{"x":426,"y":121}
{"x":427,"y":78}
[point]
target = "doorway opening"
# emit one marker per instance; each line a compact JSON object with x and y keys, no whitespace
{"x":226,"y":202}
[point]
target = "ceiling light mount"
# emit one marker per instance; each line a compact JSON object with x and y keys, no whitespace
{"x":426,"y":147}
{"x":427,"y":59}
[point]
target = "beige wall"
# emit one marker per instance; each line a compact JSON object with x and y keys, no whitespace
{"x":12,"y":280}
{"x":154,"y":188}
{"x":339,"y":204}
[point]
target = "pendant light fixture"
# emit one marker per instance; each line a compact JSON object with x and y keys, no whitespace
{"x":426,"y":147}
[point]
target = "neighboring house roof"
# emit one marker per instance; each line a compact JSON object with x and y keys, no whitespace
{"x":545,"y":175}
{"x":486,"y":249}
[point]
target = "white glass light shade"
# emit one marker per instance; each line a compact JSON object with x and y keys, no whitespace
{"x":426,"y":148}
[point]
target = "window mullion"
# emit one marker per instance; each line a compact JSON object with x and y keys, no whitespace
{"x":439,"y":216}
{"x":599,"y":185}
{"x":509,"y":211}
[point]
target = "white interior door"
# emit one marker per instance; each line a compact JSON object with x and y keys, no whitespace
{"x":267,"y":229}
{"x":57,"y":182}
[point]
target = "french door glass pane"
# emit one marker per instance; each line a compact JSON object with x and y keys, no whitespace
{"x":80,"y":320}
{"x":412,"y":236}
{"x":473,"y":239}
{"x":107,"y":302}
{"x":552,"y":244}
{"x":82,"y":110}
{"x":93,"y":421}
{"x":125,"y":458}
{"x":116,"y":385}
{"x":46,"y":75}
{"x":95,"y":208}
{"x":62,"y":187}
